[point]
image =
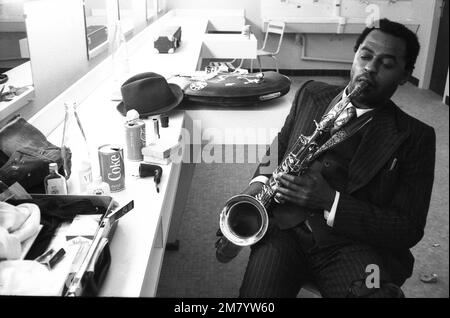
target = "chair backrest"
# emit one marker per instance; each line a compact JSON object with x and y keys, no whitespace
{"x":274,"y":27}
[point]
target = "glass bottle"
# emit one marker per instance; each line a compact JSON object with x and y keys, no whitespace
{"x":54,"y":182}
{"x":75,"y":152}
{"x":98,"y":187}
{"x":120,"y":59}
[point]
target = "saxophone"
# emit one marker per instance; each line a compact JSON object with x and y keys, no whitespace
{"x":244,"y":219}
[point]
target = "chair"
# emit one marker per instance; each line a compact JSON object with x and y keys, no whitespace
{"x":274,"y":29}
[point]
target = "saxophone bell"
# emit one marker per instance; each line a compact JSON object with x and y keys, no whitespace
{"x":243,"y":222}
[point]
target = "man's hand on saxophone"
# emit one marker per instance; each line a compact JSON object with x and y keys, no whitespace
{"x":253,"y":189}
{"x":309,"y":190}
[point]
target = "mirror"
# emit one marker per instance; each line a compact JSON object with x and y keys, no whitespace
{"x":126,"y":17}
{"x":96,"y":26}
{"x":14,"y":53}
{"x":132,"y":16}
{"x":161,"y":5}
{"x":150,"y":10}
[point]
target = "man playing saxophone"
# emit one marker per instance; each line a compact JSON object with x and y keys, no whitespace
{"x":347,"y":222}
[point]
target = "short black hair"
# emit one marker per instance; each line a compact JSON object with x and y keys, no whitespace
{"x":398,"y":30}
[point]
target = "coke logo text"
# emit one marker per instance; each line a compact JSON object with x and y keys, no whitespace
{"x":116,"y":171}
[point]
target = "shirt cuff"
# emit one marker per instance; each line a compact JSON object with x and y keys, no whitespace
{"x":262,"y":179}
{"x":329,"y":215}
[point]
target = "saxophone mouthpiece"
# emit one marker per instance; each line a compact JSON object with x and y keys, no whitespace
{"x":360,"y":86}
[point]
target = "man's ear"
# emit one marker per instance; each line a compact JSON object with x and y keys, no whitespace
{"x":406,"y":75}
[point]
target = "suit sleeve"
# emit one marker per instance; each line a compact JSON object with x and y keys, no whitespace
{"x":279,"y":145}
{"x":401,"y":223}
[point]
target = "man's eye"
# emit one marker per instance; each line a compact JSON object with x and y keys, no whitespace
{"x":389,"y":64}
{"x":365,"y":57}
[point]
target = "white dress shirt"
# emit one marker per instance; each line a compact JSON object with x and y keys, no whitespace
{"x":328,"y":215}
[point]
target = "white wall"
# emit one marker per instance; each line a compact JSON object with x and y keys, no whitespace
{"x":11,"y":9}
{"x":428,"y":13}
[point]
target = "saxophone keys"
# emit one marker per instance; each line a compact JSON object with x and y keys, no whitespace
{"x":316,"y":123}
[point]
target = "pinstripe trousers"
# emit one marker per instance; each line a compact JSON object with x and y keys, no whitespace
{"x":284,"y":260}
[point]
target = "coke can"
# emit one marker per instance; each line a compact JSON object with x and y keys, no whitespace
{"x":112,"y":167}
{"x":135,"y":139}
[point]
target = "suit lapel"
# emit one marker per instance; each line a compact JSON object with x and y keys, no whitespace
{"x":323,"y":104}
{"x":378,"y":143}
{"x":334,"y":101}
{"x":316,"y":108}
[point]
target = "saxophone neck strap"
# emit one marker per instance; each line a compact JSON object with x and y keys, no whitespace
{"x":334,"y":101}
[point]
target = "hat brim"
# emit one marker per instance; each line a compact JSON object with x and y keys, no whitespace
{"x":177,"y":92}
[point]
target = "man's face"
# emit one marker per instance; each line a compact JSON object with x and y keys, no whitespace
{"x":379,"y":61}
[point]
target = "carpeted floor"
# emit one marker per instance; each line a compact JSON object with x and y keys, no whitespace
{"x":193,"y":270}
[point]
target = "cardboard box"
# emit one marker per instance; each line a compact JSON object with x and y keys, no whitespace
{"x":161,"y":149}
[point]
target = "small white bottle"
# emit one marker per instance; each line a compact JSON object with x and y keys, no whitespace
{"x":75,"y":152}
{"x":54,"y":182}
{"x":98,"y":187}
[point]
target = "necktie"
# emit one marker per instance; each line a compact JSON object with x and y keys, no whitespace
{"x":344,"y":117}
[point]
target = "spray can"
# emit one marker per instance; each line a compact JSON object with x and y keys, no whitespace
{"x":135,"y":139}
{"x":154,"y":132}
{"x":156,"y":128}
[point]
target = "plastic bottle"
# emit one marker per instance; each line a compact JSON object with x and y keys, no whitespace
{"x":98,"y":187}
{"x":75,"y":152}
{"x":54,"y":182}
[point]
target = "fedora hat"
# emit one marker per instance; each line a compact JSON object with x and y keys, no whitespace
{"x":149,"y":94}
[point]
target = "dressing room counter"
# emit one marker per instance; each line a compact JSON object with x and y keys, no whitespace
{"x":137,"y":247}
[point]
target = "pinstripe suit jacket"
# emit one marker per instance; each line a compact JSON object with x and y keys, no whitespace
{"x":381,"y":206}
